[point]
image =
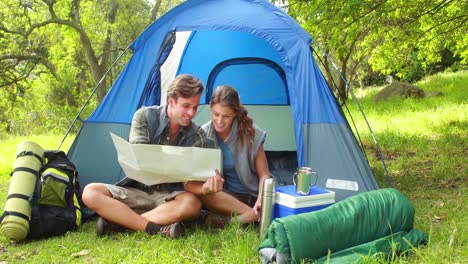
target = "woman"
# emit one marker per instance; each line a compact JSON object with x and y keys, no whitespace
{"x":238,"y":192}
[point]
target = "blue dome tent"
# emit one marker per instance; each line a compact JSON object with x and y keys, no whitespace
{"x":253,"y":46}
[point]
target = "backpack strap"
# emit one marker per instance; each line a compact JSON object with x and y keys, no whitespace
{"x":29,"y":153}
{"x":20,"y":196}
{"x":35,"y":172}
{"x":6,"y":213}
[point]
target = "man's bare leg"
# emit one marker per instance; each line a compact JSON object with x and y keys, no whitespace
{"x":185,"y":206}
{"x":98,"y":198}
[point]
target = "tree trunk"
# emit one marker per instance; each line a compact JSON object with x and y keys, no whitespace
{"x":95,"y":67}
{"x":106,"y":54}
{"x":341,"y":89}
{"x":154,"y":10}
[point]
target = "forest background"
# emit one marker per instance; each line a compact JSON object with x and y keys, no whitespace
{"x":53,"y":53}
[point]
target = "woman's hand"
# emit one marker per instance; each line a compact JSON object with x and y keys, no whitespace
{"x":258,"y":206}
{"x":213,"y":184}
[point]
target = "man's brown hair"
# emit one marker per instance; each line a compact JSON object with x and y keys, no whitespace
{"x":185,"y":85}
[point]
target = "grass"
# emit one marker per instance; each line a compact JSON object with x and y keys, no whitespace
{"x":201,"y":246}
{"x":424,"y":143}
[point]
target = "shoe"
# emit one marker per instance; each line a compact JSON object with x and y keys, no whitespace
{"x":172,"y":231}
{"x":104,"y":227}
{"x":216,"y":220}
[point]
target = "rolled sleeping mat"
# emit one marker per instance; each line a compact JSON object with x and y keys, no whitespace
{"x":15,"y":219}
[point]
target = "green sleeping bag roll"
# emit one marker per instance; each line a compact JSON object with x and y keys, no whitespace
{"x":358,"y":220}
{"x":15,"y":218}
{"x":395,"y":243}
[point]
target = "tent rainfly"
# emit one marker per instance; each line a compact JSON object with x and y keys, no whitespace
{"x":255,"y":47}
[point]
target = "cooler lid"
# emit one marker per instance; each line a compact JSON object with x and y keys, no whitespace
{"x":288,"y":193}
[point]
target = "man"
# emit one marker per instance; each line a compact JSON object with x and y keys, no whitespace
{"x":159,"y":208}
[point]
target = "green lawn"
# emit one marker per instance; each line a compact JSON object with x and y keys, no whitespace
{"x":424,"y":142}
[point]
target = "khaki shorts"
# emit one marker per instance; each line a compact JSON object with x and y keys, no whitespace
{"x":139,"y":200}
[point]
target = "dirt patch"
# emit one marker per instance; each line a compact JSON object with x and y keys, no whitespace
{"x":390,"y":155}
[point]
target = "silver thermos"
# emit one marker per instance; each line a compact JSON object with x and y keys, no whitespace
{"x":268,"y":201}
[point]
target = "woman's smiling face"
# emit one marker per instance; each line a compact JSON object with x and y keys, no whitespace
{"x":222,"y":117}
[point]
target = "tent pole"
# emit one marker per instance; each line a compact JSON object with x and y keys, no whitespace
{"x":91,"y":95}
{"x":360,"y":109}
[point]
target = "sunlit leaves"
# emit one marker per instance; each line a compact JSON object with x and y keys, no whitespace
{"x":53,"y":52}
{"x":387,"y":34}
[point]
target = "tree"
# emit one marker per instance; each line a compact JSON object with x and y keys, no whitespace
{"x":103,"y":28}
{"x":340,"y":28}
{"x":385,"y":34}
{"x":423,"y":27}
{"x":63,"y":48}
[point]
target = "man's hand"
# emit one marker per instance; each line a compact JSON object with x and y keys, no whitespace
{"x":213,"y":184}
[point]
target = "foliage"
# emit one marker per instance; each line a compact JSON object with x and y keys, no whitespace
{"x":55,"y":52}
{"x":428,"y":27}
{"x":393,"y":37}
{"x":424,"y":143}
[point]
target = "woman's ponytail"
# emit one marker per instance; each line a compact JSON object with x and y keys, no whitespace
{"x":245,"y":131}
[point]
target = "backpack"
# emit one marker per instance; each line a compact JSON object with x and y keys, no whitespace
{"x":56,"y":205}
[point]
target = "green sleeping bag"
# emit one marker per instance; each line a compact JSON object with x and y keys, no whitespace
{"x":357,"y":225}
